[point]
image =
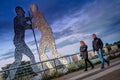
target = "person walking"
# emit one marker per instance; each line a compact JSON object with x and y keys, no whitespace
{"x":98,"y":46}
{"x":84,"y":54}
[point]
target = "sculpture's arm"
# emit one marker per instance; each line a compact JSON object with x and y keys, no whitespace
{"x":34,"y":25}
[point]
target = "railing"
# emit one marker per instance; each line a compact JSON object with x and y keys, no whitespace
{"x":25,"y":72}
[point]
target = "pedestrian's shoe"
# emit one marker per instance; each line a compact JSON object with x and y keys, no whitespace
{"x":92,"y":67}
{"x":108,"y":63}
{"x":85,"y":70}
{"x":102,"y":67}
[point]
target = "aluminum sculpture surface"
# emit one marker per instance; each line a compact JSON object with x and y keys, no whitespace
{"x":20,"y":25}
{"x":47,"y":39}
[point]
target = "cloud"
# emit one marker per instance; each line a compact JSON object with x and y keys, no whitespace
{"x":96,"y":17}
{"x":4,"y":62}
{"x":72,"y":24}
{"x":71,"y":39}
{"x":32,"y":43}
{"x":69,"y":49}
{"x":5,"y":29}
{"x":7,"y":55}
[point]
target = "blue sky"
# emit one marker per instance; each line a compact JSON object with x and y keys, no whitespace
{"x":70,"y":20}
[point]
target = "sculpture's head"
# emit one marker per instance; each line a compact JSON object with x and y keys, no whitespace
{"x":34,"y":8}
{"x":19,"y":11}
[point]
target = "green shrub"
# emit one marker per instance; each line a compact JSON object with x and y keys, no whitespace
{"x":98,"y":62}
{"x":52,"y":76}
{"x":113,"y":57}
{"x":72,"y":67}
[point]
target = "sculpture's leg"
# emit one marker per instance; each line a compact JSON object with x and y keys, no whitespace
{"x":56,"y":54}
{"x":17,"y":62}
{"x":43,"y":56}
{"x":29,"y":53}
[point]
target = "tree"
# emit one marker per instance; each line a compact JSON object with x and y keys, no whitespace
{"x":106,"y":44}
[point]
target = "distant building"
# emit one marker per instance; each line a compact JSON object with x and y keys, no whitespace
{"x":91,"y":54}
{"x":75,"y":58}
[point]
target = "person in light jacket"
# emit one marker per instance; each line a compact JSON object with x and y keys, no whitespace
{"x":84,"y":54}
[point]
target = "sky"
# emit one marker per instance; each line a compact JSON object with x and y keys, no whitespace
{"x":70,"y":20}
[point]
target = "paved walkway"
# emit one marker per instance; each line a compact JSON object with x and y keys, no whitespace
{"x":103,"y":73}
{"x":95,"y":74}
{"x":100,"y":74}
{"x":111,"y":76}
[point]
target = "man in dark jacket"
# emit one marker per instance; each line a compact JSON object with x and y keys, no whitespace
{"x":98,"y":46}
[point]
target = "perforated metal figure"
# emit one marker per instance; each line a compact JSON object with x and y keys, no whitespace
{"x":47,"y":39}
{"x":20,"y":25}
